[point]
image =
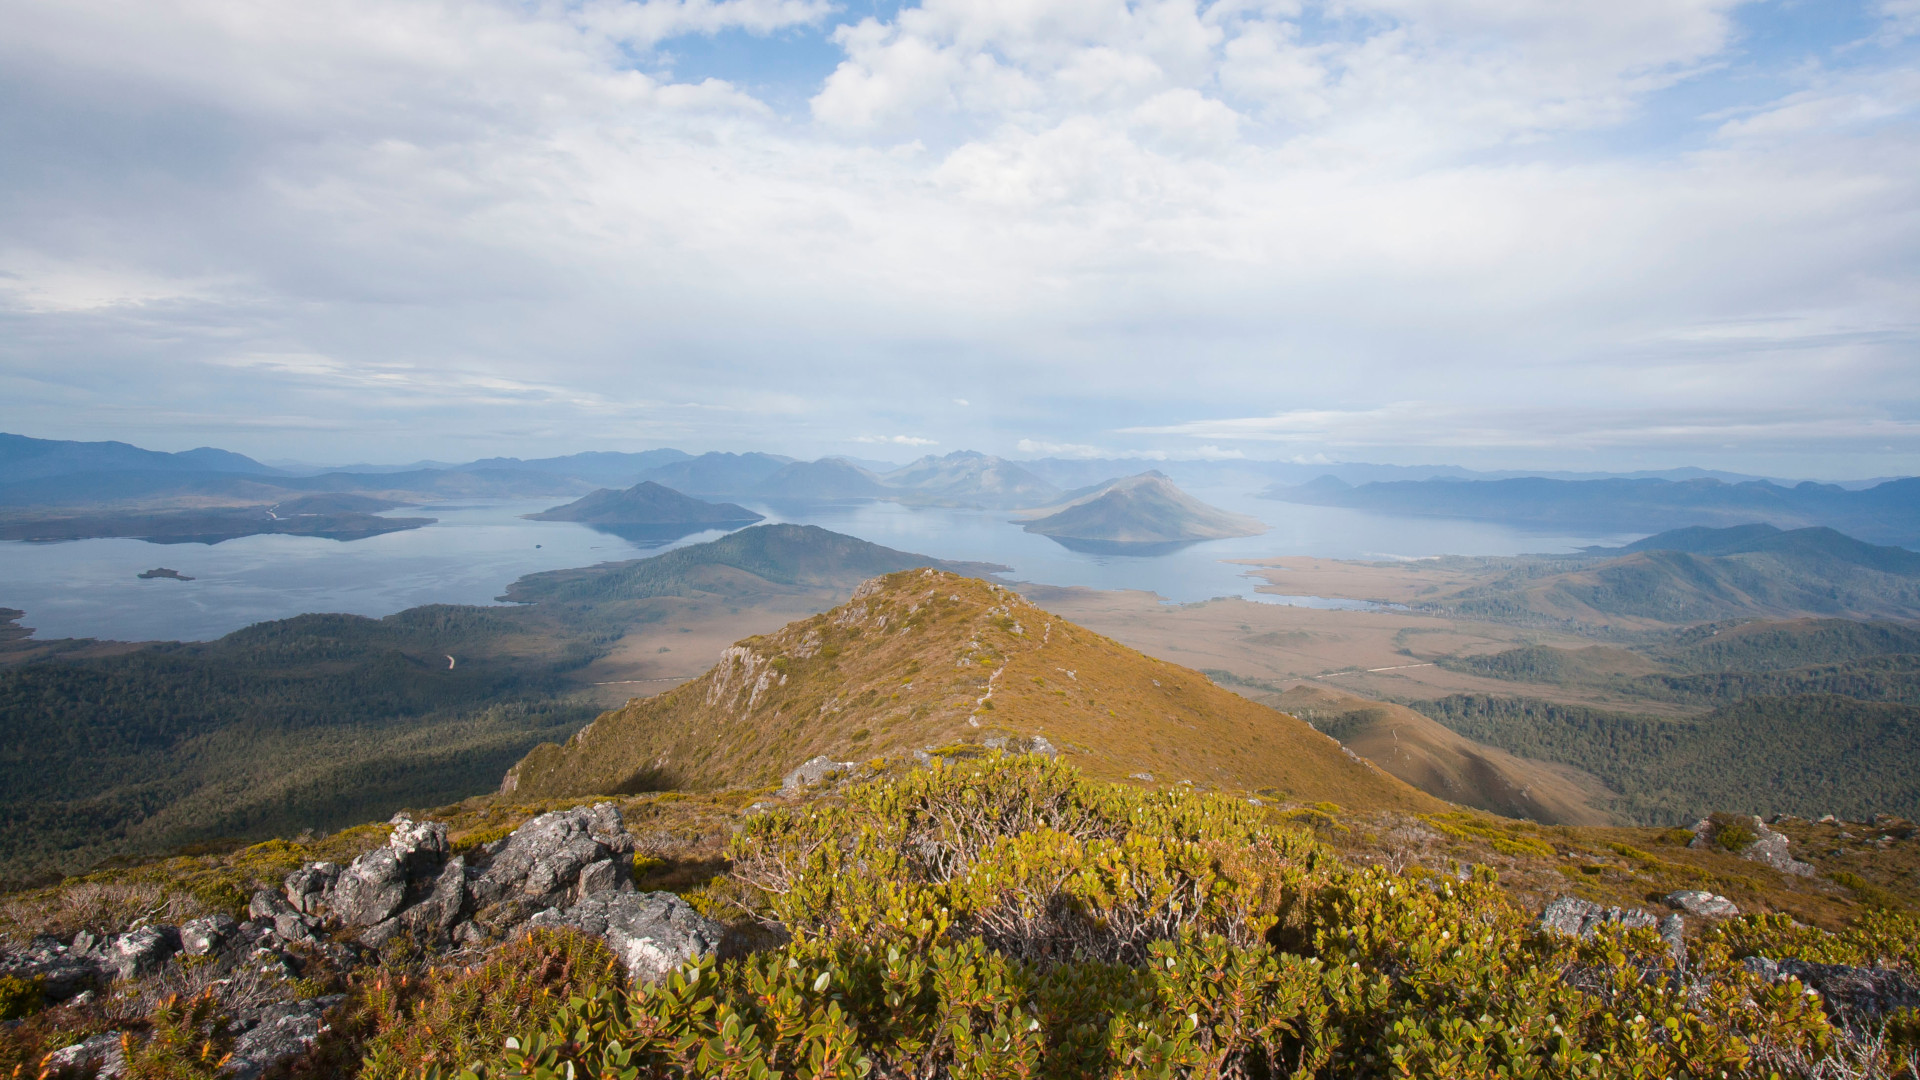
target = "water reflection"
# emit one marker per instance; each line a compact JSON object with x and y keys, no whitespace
{"x":90,"y":588}
{"x":1138,"y":549}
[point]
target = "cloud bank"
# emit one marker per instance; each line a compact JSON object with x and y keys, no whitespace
{"x":1490,"y":231}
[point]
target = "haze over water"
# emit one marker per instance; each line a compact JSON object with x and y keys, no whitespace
{"x":89,"y":588}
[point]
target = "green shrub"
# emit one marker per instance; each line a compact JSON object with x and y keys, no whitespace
{"x":458,"y":1016}
{"x":1006,"y":917}
{"x":20,"y":998}
{"x":1878,"y":937}
{"x":1733,"y":833}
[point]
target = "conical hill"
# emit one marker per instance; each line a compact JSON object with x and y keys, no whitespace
{"x":923,"y":659}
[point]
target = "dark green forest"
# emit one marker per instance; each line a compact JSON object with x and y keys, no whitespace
{"x":1805,"y":753}
{"x":312,"y":722}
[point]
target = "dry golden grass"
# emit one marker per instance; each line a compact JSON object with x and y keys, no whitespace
{"x":926,"y":659}
{"x":1426,"y":754}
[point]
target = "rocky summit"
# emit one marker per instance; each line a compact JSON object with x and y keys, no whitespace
{"x":566,"y":869}
{"x":926,"y":661}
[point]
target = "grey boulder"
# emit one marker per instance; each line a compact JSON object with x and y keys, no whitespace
{"x":1577,"y":918}
{"x":1703,"y":903}
{"x":370,"y":890}
{"x":1852,"y":994}
{"x":141,"y":951}
{"x":542,"y":862}
{"x":270,"y":911}
{"x":283,"y":1033}
{"x":654,"y":934}
{"x":64,"y":970}
{"x":204,"y":936}
{"x":104,"y":1053}
{"x":430,"y":921}
{"x":1769,"y":849}
{"x":811,"y":772}
{"x":307,"y":888}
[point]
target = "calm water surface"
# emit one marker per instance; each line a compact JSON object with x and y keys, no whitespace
{"x":88,"y":588}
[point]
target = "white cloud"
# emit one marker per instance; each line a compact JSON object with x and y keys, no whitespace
{"x":1440,"y":425}
{"x":897,"y":440}
{"x":503,"y":215}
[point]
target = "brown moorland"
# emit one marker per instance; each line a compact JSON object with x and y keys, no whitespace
{"x":925,"y":659}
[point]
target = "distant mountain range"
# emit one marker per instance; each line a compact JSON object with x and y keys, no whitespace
{"x":22,"y":458}
{"x":39,"y":477}
{"x":1144,"y":514}
{"x":1887,"y":513}
{"x":1698,"y":575}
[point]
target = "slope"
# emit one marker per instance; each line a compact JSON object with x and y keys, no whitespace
{"x":926,"y":658}
{"x":1707,"y":574}
{"x":1434,"y":759}
{"x":1806,"y":754}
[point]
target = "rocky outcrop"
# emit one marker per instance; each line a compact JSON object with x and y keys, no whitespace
{"x":374,"y":888}
{"x":1574,"y":917}
{"x":571,"y":868}
{"x":104,"y":1055}
{"x":1035,"y":744}
{"x":811,"y":772}
{"x":544,"y":863}
{"x":280,"y":1034}
{"x":205,"y":936}
{"x":64,"y":970}
{"x":1769,"y":848}
{"x":141,"y":951}
{"x":654,"y":934}
{"x":1855,"y":996}
{"x":1703,"y":903}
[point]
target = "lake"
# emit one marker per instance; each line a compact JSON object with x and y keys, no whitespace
{"x":89,"y":588}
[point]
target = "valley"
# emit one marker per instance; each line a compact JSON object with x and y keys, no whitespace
{"x":319,"y":720}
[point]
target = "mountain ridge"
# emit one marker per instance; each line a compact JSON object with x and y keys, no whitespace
{"x":1888,"y":512}
{"x":921,"y":659}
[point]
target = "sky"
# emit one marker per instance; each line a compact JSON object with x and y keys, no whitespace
{"x":1619,"y":234}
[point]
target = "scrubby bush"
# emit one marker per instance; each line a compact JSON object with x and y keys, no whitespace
{"x":21,"y":997}
{"x":1008,"y":918}
{"x":458,"y":1016}
{"x":1879,"y":937}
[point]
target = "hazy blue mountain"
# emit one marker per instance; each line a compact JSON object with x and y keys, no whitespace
{"x":1698,"y":575}
{"x":23,"y":458}
{"x":1804,"y":546}
{"x":606,"y":467}
{"x":1887,"y":513}
{"x":718,"y":473}
{"x":828,"y":478}
{"x":970,"y":478}
{"x":125,"y":487}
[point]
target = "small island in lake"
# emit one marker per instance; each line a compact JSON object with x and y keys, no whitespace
{"x":163,"y":572}
{"x":649,"y":513}
{"x":1138,"y":515}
